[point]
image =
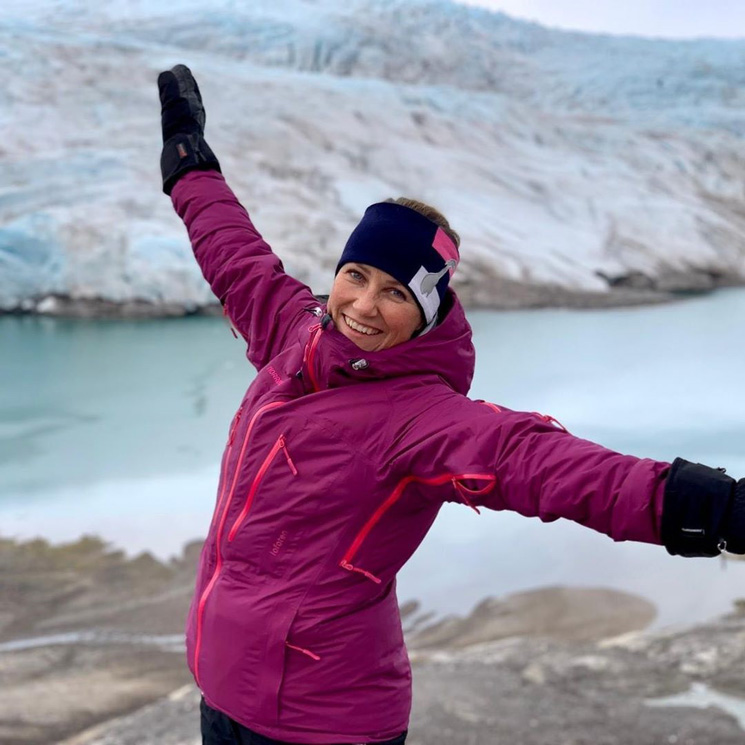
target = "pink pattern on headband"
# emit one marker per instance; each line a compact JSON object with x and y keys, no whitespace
{"x":446,"y":248}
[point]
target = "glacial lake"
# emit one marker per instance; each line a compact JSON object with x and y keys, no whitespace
{"x":116,"y":428}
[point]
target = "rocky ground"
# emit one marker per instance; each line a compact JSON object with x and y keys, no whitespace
{"x":91,"y":653}
{"x":107,"y":634}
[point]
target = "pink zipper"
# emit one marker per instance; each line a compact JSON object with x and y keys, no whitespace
{"x":231,"y":437}
{"x":551,"y":420}
{"x":304,"y":651}
{"x":351,"y":568}
{"x":230,"y":322}
{"x":236,"y":421}
{"x":218,"y":540}
{"x":280,"y":444}
{"x":346,"y":562}
{"x":466,"y":493}
{"x":309,"y":356}
{"x":287,"y":456}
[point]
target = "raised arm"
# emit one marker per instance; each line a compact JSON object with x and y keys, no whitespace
{"x":500,"y":459}
{"x":264,"y":304}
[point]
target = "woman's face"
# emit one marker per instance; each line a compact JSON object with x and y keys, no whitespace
{"x":372,"y":308}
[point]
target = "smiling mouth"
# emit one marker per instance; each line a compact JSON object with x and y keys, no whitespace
{"x":359,"y":328}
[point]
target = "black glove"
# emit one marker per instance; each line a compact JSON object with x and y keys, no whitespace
{"x":734,"y":527}
{"x":703,"y":512}
{"x":182,"y":118}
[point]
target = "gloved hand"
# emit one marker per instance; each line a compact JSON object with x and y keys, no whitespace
{"x":703,"y":511}
{"x":182,"y":119}
{"x":734,"y":522}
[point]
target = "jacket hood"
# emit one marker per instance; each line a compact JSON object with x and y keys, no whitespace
{"x":332,"y":360}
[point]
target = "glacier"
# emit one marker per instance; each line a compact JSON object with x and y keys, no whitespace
{"x":579,"y":169}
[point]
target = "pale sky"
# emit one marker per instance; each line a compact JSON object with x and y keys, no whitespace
{"x":666,"y":18}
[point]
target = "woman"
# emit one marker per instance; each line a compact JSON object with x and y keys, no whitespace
{"x":355,"y":431}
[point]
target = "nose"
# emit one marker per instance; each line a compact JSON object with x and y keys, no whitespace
{"x":365,"y":303}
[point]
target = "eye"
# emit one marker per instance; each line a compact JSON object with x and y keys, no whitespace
{"x":398,"y":294}
{"x":355,"y":275}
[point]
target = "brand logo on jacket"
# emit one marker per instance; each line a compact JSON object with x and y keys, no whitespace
{"x":277,"y":545}
{"x":276,"y":377}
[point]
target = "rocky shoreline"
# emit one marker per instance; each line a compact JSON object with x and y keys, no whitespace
{"x":535,"y":691}
{"x":91,"y":651}
{"x":81,"y":635}
{"x":624,"y":291}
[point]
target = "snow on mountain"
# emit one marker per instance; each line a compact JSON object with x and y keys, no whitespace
{"x":576,"y":167}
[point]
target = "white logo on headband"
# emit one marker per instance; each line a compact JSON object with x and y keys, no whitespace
{"x":430,"y":281}
{"x":423,"y":285}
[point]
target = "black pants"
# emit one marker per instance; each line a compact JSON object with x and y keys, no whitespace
{"x":220,"y":729}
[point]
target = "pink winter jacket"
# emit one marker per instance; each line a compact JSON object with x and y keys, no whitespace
{"x":336,"y":465}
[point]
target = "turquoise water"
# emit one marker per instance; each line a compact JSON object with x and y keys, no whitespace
{"x":117,"y":428}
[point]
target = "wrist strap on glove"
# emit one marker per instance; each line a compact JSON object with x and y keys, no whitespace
{"x":696,"y":511}
{"x":185,"y":152}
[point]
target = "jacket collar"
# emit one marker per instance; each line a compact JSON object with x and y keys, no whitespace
{"x":331,"y":360}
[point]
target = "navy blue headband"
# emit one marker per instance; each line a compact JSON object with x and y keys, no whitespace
{"x":408,"y":246}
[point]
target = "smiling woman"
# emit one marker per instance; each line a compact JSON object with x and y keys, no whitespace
{"x":336,"y":465}
{"x":414,"y":253}
{"x":372,"y":308}
{"x":378,"y":309}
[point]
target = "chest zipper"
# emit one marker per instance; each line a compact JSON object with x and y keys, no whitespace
{"x":280,"y":444}
{"x":346,"y":562}
{"x":236,"y":422}
{"x":223,"y":510}
{"x":310,"y":354}
{"x":228,"y":453}
{"x":227,"y":317}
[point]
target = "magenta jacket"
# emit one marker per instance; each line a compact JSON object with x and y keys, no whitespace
{"x":336,"y":465}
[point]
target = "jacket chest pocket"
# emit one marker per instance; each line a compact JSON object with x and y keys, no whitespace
{"x":278,"y":455}
{"x":467,"y":486}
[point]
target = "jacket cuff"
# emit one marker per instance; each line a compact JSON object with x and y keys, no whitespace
{"x":183,"y":153}
{"x":697,"y":500}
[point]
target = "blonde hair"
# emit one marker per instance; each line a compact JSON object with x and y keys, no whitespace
{"x":430,"y":213}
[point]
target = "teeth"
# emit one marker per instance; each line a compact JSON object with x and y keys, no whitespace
{"x":359,"y":327}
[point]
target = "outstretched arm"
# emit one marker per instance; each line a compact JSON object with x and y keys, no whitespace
{"x":501,"y":459}
{"x":264,"y":304}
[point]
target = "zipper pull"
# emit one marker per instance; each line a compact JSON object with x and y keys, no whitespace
{"x":466,"y":500}
{"x":351,"y":568}
{"x":283,"y":445}
{"x":235,"y":425}
{"x":552,"y":420}
{"x":230,"y":323}
{"x":304,"y":651}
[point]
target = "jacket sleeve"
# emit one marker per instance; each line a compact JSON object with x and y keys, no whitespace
{"x":263,"y":303}
{"x":488,"y":456}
